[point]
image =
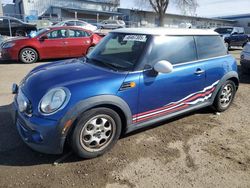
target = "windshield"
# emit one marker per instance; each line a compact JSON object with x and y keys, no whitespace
{"x":35,"y":34}
{"x":224,"y":30}
{"x":119,"y":51}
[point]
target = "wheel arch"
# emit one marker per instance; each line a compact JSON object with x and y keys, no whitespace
{"x":233,"y":75}
{"x":108,"y":101}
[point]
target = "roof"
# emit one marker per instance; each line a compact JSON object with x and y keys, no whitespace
{"x":238,"y":16}
{"x":165,"y":31}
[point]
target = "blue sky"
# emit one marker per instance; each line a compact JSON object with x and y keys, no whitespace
{"x":207,"y":8}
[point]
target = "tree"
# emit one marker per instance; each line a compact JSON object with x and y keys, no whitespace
{"x":186,"y":7}
{"x":160,"y":7}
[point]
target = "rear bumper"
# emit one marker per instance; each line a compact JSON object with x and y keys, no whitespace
{"x":40,"y":134}
{"x":245,"y":63}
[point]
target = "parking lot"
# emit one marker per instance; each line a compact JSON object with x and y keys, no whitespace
{"x":201,"y":149}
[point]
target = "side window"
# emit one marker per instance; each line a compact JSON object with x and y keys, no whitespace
{"x":70,"y":23}
{"x":175,"y":49}
{"x":78,"y":33}
{"x":57,"y":34}
{"x":15,"y":23}
{"x":210,"y":46}
{"x":80,"y":23}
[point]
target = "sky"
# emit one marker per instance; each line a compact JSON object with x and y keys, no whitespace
{"x":207,"y":8}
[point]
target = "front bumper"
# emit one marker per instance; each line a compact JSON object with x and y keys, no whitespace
{"x":8,"y":54}
{"x":40,"y":134}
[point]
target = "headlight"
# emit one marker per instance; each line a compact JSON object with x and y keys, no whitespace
{"x":54,"y":100}
{"x":8,"y":45}
{"x":22,"y":102}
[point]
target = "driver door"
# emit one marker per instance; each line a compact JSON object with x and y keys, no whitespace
{"x":165,"y":93}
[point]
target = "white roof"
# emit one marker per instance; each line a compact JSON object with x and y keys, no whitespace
{"x":165,"y":31}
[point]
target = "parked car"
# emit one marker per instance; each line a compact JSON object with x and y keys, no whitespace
{"x":233,"y":36}
{"x":132,"y":79}
{"x":245,"y":59}
{"x":50,"y":43}
{"x":14,"y":27}
{"x":112,"y":24}
{"x":77,"y":23}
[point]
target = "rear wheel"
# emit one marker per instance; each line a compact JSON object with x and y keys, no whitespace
{"x":20,"y":33}
{"x":96,"y":132}
{"x":28,"y":55}
{"x":225,"y":96}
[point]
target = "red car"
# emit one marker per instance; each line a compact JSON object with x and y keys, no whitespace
{"x":50,"y":43}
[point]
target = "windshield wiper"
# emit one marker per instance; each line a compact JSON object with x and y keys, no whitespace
{"x":112,"y":66}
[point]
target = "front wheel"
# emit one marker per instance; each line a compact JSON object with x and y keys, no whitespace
{"x":225,"y":96}
{"x":96,"y":132}
{"x":28,"y":56}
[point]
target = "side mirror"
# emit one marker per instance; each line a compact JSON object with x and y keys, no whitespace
{"x":43,"y":38}
{"x":163,"y":67}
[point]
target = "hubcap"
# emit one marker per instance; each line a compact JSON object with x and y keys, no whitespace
{"x":226,"y":95}
{"x":97,"y":133}
{"x":28,"y":56}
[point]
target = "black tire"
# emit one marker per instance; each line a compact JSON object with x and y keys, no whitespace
{"x":218,"y":104}
{"x":86,"y":135}
{"x":28,"y":59}
{"x":20,"y":33}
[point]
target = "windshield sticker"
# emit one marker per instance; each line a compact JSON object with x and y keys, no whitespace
{"x":139,"y":38}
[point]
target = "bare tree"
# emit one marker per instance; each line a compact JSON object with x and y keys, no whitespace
{"x":187,"y":7}
{"x":160,"y":7}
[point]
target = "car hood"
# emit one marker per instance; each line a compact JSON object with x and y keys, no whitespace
{"x":82,"y":79}
{"x":13,"y":39}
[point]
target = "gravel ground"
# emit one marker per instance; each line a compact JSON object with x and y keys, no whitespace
{"x":201,"y":149}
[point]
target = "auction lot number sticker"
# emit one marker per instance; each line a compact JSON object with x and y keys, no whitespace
{"x":139,"y":38}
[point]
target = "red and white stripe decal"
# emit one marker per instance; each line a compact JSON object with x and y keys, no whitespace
{"x":191,"y":99}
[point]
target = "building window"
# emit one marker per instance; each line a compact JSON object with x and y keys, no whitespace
{"x":248,"y":24}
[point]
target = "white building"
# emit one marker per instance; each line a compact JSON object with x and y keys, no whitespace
{"x":86,"y":9}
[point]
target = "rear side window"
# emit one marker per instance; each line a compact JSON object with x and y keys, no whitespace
{"x":210,"y":46}
{"x":175,"y":49}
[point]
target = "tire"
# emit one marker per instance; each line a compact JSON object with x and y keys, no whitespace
{"x":96,"y":132}
{"x":20,"y":33}
{"x":28,"y":56}
{"x":225,"y":96}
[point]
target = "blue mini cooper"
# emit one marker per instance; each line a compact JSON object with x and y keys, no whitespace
{"x":132,"y":79}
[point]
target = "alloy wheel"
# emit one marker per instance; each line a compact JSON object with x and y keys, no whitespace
{"x":97,"y":133}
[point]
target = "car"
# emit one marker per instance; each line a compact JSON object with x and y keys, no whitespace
{"x":10,"y":26}
{"x":245,"y":59}
{"x":112,"y":24}
{"x":50,"y":43}
{"x":134,"y":78}
{"x":233,"y":36}
{"x":77,"y":23}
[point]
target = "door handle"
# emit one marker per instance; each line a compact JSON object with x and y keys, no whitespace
{"x":199,"y":71}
